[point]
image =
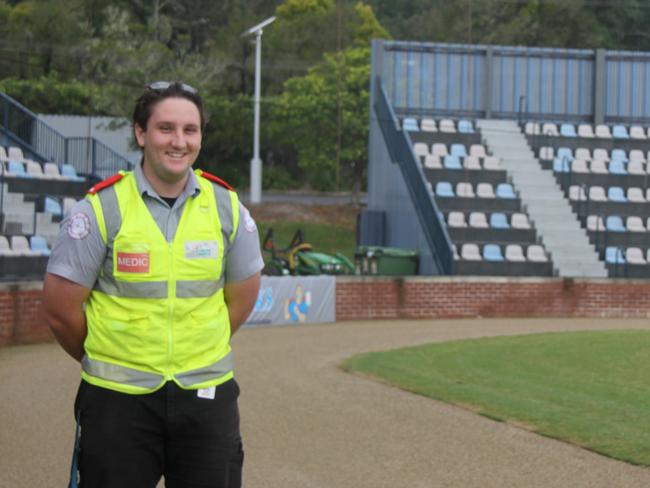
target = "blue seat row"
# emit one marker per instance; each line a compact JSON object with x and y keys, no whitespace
{"x":445,"y":189}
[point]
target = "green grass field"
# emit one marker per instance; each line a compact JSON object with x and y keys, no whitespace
{"x":325,"y":238}
{"x":587,"y":388}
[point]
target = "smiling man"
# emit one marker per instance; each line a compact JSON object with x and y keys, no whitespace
{"x":150,"y":276}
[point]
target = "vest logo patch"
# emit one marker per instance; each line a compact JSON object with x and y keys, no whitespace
{"x":131,"y":262}
{"x":201,"y":249}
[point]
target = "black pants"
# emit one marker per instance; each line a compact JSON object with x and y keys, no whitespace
{"x":133,"y":440}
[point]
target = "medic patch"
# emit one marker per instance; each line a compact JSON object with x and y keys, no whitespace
{"x":201,"y":249}
{"x":249,"y":223}
{"x":79,"y":226}
{"x":133,"y":262}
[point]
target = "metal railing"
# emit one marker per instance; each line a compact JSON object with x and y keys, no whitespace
{"x":40,"y":142}
{"x":401,"y":152}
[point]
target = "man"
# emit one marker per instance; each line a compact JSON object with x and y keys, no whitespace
{"x":149,"y":278}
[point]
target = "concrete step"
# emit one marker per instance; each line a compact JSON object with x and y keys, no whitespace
{"x":543,"y":199}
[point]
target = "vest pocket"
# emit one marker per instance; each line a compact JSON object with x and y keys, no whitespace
{"x":130,"y":334}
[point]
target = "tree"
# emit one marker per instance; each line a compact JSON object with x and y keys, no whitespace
{"x":307,"y":115}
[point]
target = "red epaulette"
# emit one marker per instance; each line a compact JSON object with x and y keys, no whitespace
{"x":106,"y":183}
{"x":217,"y":180}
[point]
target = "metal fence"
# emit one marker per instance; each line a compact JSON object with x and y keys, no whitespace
{"x":40,"y":142}
{"x":490,"y":81}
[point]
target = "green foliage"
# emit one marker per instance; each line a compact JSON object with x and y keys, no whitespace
{"x":307,"y":118}
{"x":366,"y":27}
{"x":278,"y":178}
{"x":94,"y":57}
{"x":567,"y":24}
{"x":228,"y":138}
{"x":589,"y":388}
{"x":48,"y":94}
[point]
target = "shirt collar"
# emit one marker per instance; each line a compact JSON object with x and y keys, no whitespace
{"x":191,"y":189}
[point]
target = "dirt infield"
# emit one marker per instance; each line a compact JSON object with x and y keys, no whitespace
{"x":308,"y":424}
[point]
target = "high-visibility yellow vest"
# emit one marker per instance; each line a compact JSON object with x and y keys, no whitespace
{"x":157,"y":311}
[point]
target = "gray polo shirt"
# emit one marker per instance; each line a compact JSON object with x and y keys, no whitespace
{"x":79,"y":251}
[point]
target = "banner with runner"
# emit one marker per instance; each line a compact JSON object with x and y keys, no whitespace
{"x":286,"y":300}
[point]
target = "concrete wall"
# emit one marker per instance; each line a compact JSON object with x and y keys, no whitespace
{"x":367,"y":298}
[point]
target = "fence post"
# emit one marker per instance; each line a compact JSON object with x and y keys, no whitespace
{"x":487,"y":94}
{"x":600,"y":86}
{"x":94,"y":156}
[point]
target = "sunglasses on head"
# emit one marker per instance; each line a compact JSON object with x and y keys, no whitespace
{"x":164,"y":85}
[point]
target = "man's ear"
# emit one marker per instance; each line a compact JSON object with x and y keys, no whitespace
{"x":139,"y":134}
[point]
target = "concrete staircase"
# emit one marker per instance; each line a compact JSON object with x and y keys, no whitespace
{"x":572,"y":253}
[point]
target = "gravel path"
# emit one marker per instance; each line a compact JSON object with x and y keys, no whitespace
{"x":307,"y":424}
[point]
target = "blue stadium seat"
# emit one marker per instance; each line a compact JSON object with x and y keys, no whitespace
{"x":617,"y":167}
{"x":68,"y":171}
{"x":618,"y":155}
{"x":458,"y":150}
{"x":614,"y":255}
{"x":614,"y":223}
{"x":492,"y":252}
{"x":562,"y":165}
{"x":568,"y":130}
{"x":498,"y":220}
{"x":620,"y":132}
{"x":53,"y":206}
{"x":563,"y":152}
{"x":505,"y":190}
{"x":616,"y":194}
{"x":465,"y":127}
{"x":39,"y":244}
{"x":410,"y":124}
{"x":452,"y":162}
{"x":444,"y":189}
{"x":17,"y":169}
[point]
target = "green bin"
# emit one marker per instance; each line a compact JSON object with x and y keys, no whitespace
{"x":385,"y":261}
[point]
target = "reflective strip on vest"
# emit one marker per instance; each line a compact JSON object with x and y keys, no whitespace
{"x":207,"y":373}
{"x":111,"y":211}
{"x":120,"y":374}
{"x":147,"y":289}
{"x":225,"y":211}
{"x":198,"y":288}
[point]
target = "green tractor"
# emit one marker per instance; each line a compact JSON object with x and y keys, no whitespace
{"x":299,"y":259}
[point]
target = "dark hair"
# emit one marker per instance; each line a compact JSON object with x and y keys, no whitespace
{"x":152,"y":95}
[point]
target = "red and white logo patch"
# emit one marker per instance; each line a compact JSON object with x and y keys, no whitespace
{"x":79,"y":226}
{"x":131,"y":262}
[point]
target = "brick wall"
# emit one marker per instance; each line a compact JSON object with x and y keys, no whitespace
{"x":19,"y":321}
{"x":412,"y":298}
{"x":364,"y":298}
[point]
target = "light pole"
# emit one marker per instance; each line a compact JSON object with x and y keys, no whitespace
{"x":256,"y":162}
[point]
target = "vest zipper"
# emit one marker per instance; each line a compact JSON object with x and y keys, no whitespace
{"x":171,"y":294}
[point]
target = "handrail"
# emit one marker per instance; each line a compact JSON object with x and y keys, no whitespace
{"x":522,"y":99}
{"x":401,"y":152}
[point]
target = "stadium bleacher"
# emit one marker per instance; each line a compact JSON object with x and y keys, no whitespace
{"x":34,"y":198}
{"x":603,"y":172}
{"x":482,"y":211}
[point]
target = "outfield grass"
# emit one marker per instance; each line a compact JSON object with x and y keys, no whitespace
{"x":587,"y":388}
{"x":325,"y":238}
